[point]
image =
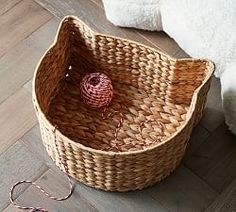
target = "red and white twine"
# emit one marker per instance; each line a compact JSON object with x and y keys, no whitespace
{"x":96,"y":90}
{"x":40,"y":209}
{"x":119,"y":125}
{"x":41,"y":190}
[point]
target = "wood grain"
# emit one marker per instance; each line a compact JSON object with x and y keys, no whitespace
{"x":28,"y":85}
{"x":18,"y":63}
{"x":7,"y":5}
{"x":213,"y":116}
{"x":19,"y":22}
{"x":181,"y":54}
{"x":11,"y":208}
{"x":17,"y":117}
{"x":183,"y":191}
{"x":97,"y":20}
{"x":99,"y":3}
{"x":32,"y":139}
{"x":215,"y":159}
{"x":93,"y":15}
{"x":17,"y":163}
{"x":198,"y":136}
{"x":136,"y":201}
{"x":57,"y":185}
{"x":226,"y":202}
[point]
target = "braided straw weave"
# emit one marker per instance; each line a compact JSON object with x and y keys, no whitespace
{"x":96,"y":90}
{"x":160,"y":98}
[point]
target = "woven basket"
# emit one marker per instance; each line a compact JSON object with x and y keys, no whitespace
{"x":161,"y":99}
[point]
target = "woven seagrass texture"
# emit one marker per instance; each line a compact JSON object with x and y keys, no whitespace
{"x":96,"y":90}
{"x":160,"y":98}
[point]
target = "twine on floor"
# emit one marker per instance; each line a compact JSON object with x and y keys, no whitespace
{"x":40,"y":209}
{"x":97,"y":92}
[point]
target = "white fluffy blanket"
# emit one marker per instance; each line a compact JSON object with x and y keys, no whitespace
{"x":204,"y":29}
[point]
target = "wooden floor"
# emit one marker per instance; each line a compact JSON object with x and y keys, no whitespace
{"x":206,"y":179}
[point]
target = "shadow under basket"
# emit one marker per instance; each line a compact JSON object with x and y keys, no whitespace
{"x":160,"y":98}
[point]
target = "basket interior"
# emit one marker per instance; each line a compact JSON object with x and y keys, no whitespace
{"x":152,"y":91}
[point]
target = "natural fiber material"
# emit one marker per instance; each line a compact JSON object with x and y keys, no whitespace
{"x":96,"y":90}
{"x":160,"y":98}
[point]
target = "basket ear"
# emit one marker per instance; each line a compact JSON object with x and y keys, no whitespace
{"x":64,"y":30}
{"x":189,"y":75}
{"x":53,"y":66}
{"x":79,"y":24}
{"x":72,"y":24}
{"x":82,"y":42}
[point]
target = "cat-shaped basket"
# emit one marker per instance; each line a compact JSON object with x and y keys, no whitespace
{"x":160,"y":99}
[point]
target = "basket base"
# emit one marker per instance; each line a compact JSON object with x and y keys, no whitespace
{"x":146,"y":120}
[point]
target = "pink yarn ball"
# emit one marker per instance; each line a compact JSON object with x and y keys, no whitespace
{"x":96,"y":90}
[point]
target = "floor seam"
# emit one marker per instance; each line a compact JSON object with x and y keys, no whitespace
{"x":10,"y":8}
{"x":28,"y":186}
{"x":17,"y":43}
{"x":194,"y":173}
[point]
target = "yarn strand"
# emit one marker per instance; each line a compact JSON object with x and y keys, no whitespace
{"x":42,"y":190}
{"x":33,"y":209}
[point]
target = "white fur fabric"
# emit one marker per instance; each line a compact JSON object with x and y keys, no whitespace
{"x":204,"y":29}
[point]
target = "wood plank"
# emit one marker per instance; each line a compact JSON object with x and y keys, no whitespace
{"x":11,"y":208}
{"x":32,"y":139}
{"x":226,"y":202}
{"x":199,"y":136}
{"x":181,"y":54}
{"x":19,"y":62}
{"x":183,"y":191}
{"x":7,"y":5}
{"x":57,"y":185}
{"x":17,"y":117}
{"x":28,"y":85}
{"x":215,"y":159}
{"x":19,"y":22}
{"x":135,"y":201}
{"x":99,"y":3}
{"x":213,"y":116}
{"x":17,"y":163}
{"x":92,"y":15}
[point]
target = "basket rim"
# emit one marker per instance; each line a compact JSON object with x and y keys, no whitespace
{"x":110,"y":153}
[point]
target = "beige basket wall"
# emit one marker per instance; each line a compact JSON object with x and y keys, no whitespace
{"x":184,"y":81}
